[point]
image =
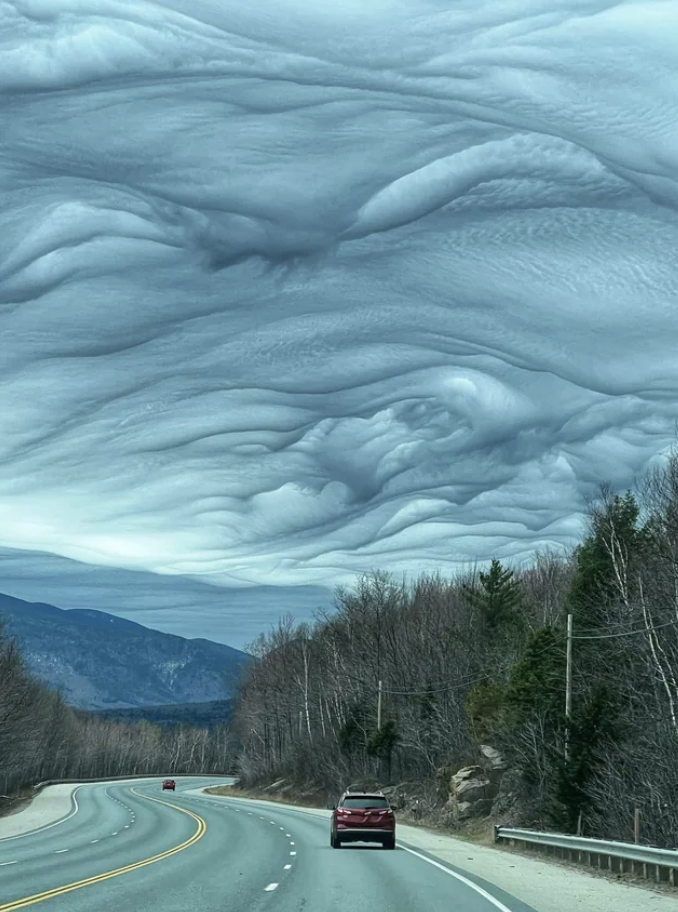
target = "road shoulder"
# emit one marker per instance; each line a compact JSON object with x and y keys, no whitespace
{"x":51,"y":805}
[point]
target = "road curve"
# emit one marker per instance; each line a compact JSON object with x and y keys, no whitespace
{"x":131,"y":846}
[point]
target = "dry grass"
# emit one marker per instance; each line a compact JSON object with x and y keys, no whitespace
{"x":262,"y":794}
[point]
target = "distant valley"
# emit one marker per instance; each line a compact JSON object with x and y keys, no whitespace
{"x":197,"y":715}
{"x":102,"y":662}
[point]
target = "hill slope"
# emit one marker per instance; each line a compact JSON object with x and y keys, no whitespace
{"x":100,"y":661}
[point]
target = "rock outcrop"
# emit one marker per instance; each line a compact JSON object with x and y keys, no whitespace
{"x":473,"y":790}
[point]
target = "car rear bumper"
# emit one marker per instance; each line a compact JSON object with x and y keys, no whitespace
{"x":364,"y":834}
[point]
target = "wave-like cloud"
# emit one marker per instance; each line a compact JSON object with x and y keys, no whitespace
{"x":291,"y":290}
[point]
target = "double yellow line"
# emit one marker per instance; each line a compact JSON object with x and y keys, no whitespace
{"x":98,"y":878}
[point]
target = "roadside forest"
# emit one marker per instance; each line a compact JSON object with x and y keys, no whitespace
{"x":41,"y":737}
{"x":481,"y":660}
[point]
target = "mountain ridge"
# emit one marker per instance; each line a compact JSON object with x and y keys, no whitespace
{"x":100,"y":661}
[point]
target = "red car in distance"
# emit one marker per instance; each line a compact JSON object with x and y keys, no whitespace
{"x":169,"y":784}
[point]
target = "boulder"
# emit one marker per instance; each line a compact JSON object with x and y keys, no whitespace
{"x":466,"y":772}
{"x":494,"y":759}
{"x":473,"y":790}
{"x":464,"y":810}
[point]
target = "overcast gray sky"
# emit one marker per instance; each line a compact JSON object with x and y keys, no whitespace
{"x":291,"y":290}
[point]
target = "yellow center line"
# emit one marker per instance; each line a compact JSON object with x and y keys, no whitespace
{"x":98,"y":878}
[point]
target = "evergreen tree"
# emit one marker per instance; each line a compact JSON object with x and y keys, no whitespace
{"x":603,"y":558}
{"x":498,"y":596}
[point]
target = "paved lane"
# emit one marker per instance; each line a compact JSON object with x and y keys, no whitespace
{"x":148,"y":850}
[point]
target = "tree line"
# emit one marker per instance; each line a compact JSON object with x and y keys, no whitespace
{"x":481,"y":659}
{"x":42,"y":737}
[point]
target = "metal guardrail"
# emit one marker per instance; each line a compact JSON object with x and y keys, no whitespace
{"x":661,"y":864}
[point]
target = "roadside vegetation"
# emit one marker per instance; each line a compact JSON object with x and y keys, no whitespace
{"x":41,"y":737}
{"x":481,"y":660}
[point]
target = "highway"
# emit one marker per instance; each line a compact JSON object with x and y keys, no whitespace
{"x":133,"y":847}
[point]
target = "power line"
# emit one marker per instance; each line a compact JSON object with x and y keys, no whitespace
{"x":458,"y":685}
{"x":610,"y":636}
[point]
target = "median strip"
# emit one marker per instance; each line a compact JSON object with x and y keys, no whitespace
{"x":116,"y":872}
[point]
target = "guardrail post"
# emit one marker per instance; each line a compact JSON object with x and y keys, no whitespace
{"x":496,"y":832}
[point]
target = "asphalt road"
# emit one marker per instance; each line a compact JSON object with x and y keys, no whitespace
{"x":131,"y":846}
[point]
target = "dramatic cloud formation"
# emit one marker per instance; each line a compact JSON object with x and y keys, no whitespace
{"x":291,"y":289}
{"x":178,"y":605}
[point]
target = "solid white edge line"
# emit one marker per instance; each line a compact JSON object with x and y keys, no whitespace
{"x":469,"y":883}
{"x":271,"y":886}
{"x":49,"y":825}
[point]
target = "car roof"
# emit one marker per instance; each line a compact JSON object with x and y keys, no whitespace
{"x":354,"y":793}
{"x":371,"y":792}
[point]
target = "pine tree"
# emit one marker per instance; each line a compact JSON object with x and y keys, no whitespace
{"x":498,"y":596}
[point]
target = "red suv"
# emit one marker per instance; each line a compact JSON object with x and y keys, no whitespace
{"x":169,"y":784}
{"x":362,"y":817}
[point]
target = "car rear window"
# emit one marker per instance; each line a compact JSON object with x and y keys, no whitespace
{"x":365,"y":802}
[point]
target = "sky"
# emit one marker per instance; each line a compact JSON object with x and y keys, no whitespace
{"x":290,"y":291}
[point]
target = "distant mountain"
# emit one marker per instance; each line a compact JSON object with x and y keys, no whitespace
{"x":99,"y":661}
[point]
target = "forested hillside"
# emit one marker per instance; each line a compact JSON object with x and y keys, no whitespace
{"x":41,"y":737}
{"x":481,"y":660}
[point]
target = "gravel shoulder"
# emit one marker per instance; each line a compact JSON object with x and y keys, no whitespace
{"x":49,"y":806}
{"x":546,"y":886}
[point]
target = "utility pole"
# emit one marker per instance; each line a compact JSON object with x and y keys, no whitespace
{"x":379,"y":708}
{"x":568,"y":688}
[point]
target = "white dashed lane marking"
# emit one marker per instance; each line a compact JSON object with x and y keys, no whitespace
{"x":293,"y":853}
{"x":3,"y":864}
{"x":59,"y":851}
{"x":287,"y":867}
{"x":270,"y":887}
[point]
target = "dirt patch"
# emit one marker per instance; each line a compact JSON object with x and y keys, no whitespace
{"x":12,"y":804}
